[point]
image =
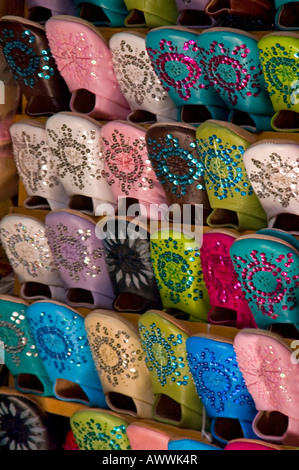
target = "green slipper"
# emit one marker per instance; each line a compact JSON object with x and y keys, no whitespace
{"x":177,"y":266}
{"x":221,"y":147}
{"x":163,"y":340}
{"x":97,"y":429}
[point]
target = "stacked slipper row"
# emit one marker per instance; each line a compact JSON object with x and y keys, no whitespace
{"x":216,"y":174}
{"x":169,"y":74}
{"x":147,"y":382}
{"x":265,"y":14}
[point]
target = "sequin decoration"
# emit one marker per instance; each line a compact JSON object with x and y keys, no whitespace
{"x":135,"y":74}
{"x":265,"y":373}
{"x":280,"y":64}
{"x":177,"y":164}
{"x":76,"y":154}
{"x":71,"y":251}
{"x":165,"y":354}
{"x":61,"y":341}
{"x":220,"y":277}
{"x":27,"y":66}
{"x":181,"y":73}
{"x":127,"y":163}
{"x":16,"y":336}
{"x":128,"y":259}
{"x":218,"y":380}
{"x":233,"y":71}
{"x":93,"y":431}
{"x":275,"y":176}
{"x":269,"y":281}
{"x":224,"y":171}
{"x":117,"y":354}
{"x":178,"y":270}
{"x":31,"y":155}
{"x":21,"y":429}
{"x":27,"y":248}
{"x":76,"y":56}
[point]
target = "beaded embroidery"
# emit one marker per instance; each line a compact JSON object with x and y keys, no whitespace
{"x":31,"y":156}
{"x":165,"y":355}
{"x":179,"y":72}
{"x":71,"y":252}
{"x":16,"y":336}
{"x":219,"y":274}
{"x":76,"y":56}
{"x":61,"y":341}
{"x":136,"y":76}
{"x":232,"y":71}
{"x":276,"y":177}
{"x":117,"y":355}
{"x":218,"y":379}
{"x":269,"y":281}
{"x":178,"y":271}
{"x":177,"y":164}
{"x":28,"y":247}
{"x":92,"y":434}
{"x":265,"y":375}
{"x":76,"y":155}
{"x":280,"y":66}
{"x":20,"y":429}
{"x":27,"y":66}
{"x":127,"y":162}
{"x":224,"y":170}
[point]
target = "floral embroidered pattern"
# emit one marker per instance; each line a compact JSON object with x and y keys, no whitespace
{"x":118,"y":355}
{"x":269,"y":281}
{"x":92,"y":433}
{"x":75,"y":56}
{"x":136,"y":76}
{"x":76,"y":154}
{"x":21,"y":429}
{"x":276,"y":177}
{"x":31,"y":155}
{"x":128,"y":259}
{"x":218,"y":380}
{"x":219,"y":274}
{"x":177,"y":164}
{"x":27,"y":65}
{"x":165,"y":354}
{"x":224,"y":171}
{"x":280,"y":66}
{"x":265,"y":373}
{"x":180,"y":72}
{"x":232,"y":71}
{"x":127,"y":163}
{"x":60,"y":340}
{"x":71,"y":251}
{"x":27,"y":247}
{"x":178,"y":271}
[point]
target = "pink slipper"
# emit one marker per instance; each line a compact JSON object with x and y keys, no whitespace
{"x":271,"y":370}
{"x":229,"y":306}
{"x":129,"y":170}
{"x":84,"y":60}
